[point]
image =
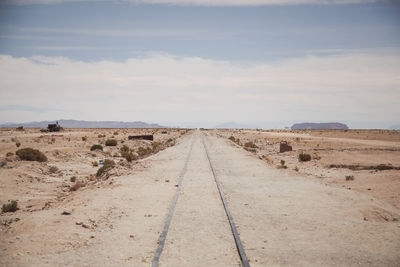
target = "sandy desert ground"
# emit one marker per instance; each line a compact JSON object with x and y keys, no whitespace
{"x":304,"y":214}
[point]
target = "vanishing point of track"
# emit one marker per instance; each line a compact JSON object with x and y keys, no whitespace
{"x":235,"y":233}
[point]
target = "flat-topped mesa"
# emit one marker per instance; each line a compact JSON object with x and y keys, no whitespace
{"x":143,"y":137}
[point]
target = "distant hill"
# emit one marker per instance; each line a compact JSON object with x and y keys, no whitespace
{"x":395,"y":127}
{"x":84,"y":124}
{"x":319,"y":126}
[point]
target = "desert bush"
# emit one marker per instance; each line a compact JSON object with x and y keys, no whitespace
{"x":111,"y":142}
{"x":349,"y":177}
{"x":143,"y":151}
{"x":73,"y":179}
{"x":250,"y":145}
{"x":296,"y":169}
{"x":129,"y":156}
{"x":31,"y":154}
{"x":101,"y":135}
{"x":283,"y":166}
{"x":84,"y":138}
{"x":9,"y":154}
{"x":157,"y":146}
{"x":10,"y":207}
{"x":96,"y":147}
{"x":235,"y":140}
{"x":13,"y":139}
{"x":77,"y":185}
{"x":108,"y":164}
{"x":18,"y":144}
{"x":115,"y":133}
{"x":53,"y":169}
{"x":95,"y":164}
{"x":250,"y":149}
{"x":124,"y":148}
{"x":304,"y":157}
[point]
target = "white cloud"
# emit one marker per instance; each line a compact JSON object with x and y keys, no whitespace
{"x":164,"y":88}
{"x":207,"y":2}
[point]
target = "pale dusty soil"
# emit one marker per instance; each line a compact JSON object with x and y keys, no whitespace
{"x":335,"y":147}
{"x":283,"y":217}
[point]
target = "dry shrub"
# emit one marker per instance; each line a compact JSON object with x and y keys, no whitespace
{"x":129,"y":156}
{"x":95,"y":164}
{"x":144,"y":151}
{"x":53,"y":169}
{"x":18,"y":144}
{"x":96,"y":147}
{"x":10,"y":207}
{"x":111,"y":142}
{"x":124,"y":148}
{"x":349,"y":177}
{"x":84,"y":138}
{"x":250,"y":145}
{"x":235,"y":140}
{"x":77,"y":185}
{"x":304,"y":157}
{"x":157,"y":146}
{"x":108,"y":165}
{"x":9,"y":154}
{"x":73,"y":179}
{"x":31,"y":154}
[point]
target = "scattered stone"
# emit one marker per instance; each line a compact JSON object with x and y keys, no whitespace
{"x":167,"y":181}
{"x":66,"y":213}
{"x":132,"y":236}
{"x":78,"y":223}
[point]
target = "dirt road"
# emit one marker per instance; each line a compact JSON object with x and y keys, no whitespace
{"x":282,"y":219}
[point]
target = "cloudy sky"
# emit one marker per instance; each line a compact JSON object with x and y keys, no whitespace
{"x":266,"y":63}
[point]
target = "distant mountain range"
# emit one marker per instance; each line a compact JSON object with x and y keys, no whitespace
{"x":319,"y":126}
{"x":84,"y":124}
{"x":395,"y":127}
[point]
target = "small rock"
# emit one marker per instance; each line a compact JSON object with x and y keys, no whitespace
{"x":131,"y":236}
{"x":78,"y":223}
{"x":66,"y":213}
{"x":167,"y":181}
{"x":92,"y":236}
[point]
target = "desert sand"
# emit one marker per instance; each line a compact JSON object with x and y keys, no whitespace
{"x":305,"y":216}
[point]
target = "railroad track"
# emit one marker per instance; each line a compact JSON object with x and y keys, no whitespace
{"x":163,"y":236}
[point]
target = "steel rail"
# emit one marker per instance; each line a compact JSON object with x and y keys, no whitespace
{"x":164,"y":233}
{"x":235,"y":233}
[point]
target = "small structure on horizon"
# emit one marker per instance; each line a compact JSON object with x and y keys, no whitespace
{"x":54,"y":127}
{"x":143,"y":137}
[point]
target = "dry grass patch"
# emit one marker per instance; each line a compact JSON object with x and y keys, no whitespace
{"x":31,"y":154}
